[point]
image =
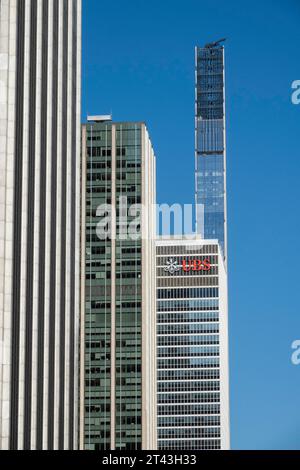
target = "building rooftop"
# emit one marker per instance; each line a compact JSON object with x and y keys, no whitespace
{"x":99,"y":118}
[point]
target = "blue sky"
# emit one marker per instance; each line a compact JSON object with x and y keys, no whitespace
{"x":138,"y":62}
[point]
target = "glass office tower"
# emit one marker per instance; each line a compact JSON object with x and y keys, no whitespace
{"x":118,"y":320}
{"x":192,"y":345}
{"x":210,"y":152}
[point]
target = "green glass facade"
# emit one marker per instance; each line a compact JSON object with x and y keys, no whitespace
{"x":128,"y":295}
{"x":113,"y":289}
{"x":97,"y":292}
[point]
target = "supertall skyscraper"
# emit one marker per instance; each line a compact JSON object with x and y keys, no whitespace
{"x":118,"y":367}
{"x":40,"y":81}
{"x":210,"y":146}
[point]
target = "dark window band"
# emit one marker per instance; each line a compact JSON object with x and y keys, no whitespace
{"x":73,"y":227}
{"x":52,"y":304}
{"x":17,"y":217}
{"x":30,"y":228}
{"x":42,"y":234}
{"x":63,"y":240}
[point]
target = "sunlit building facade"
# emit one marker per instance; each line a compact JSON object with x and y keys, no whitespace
{"x":192,"y":345}
{"x":40,"y":90}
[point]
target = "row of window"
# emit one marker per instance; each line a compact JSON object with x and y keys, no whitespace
{"x":188,"y":351}
{"x":130,"y":201}
{"x":107,"y":189}
{"x":130,"y":248}
{"x":174,"y":421}
{"x":188,"y":433}
{"x":95,"y":304}
{"x":104,"y":151}
{"x":107,"y":275}
{"x":205,"y":386}
{"x":98,"y":151}
{"x":187,"y":293}
{"x":96,"y":344}
{"x":131,"y":262}
{"x":188,"y":363}
{"x":186,"y":250}
{"x":99,"y":190}
{"x":94,"y":165}
{"x":101,"y":250}
{"x":187,"y":329}
{"x":179,"y":281}
{"x":96,"y":332}
{"x":133,"y":250}
{"x":105,"y":176}
{"x":93,"y":138}
{"x":189,"y":445}
{"x":129,"y":275}
{"x":97,"y":434}
{"x":93,"y":369}
{"x":188,"y":398}
{"x":191,"y":409}
{"x":187,"y":317}
{"x":186,"y":374}
{"x":193,"y":304}
{"x":102,"y":408}
{"x":94,"y":237}
{"x":98,"y":275}
{"x":124,"y":290}
{"x":187,"y":340}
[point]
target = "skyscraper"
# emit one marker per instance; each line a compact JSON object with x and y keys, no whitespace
{"x":210,"y":147}
{"x":118,"y":369}
{"x":40,"y":81}
{"x":192,"y":345}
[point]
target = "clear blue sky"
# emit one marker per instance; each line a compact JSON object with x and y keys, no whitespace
{"x":138,"y":62}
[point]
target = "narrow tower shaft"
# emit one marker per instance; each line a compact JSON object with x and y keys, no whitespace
{"x":210,"y":148}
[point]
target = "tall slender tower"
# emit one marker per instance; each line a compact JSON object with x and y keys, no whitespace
{"x":210,"y":147}
{"x":118,"y":337}
{"x":40,"y":49}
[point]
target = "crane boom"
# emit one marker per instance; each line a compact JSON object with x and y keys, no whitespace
{"x":214,"y":44}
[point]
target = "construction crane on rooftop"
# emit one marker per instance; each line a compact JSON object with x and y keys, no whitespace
{"x":214,"y":44}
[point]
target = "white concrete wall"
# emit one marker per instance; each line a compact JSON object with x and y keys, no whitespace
{"x":148,"y":293}
{"x":8,"y":37}
{"x":224,"y":355}
{"x":223,"y":325}
{"x":7,"y":129}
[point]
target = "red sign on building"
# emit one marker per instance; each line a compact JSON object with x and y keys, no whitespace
{"x":196,"y":265}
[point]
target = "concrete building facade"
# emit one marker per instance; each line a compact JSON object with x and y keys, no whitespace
{"x":192,"y":345}
{"x":40,"y":89}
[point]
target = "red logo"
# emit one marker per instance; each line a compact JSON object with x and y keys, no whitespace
{"x":196,"y":265}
